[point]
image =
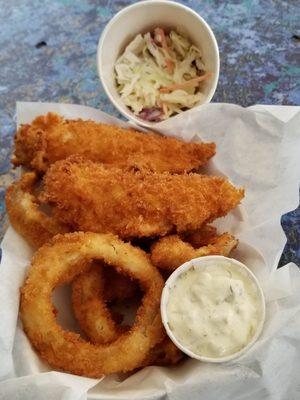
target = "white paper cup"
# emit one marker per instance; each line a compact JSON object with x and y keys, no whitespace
{"x":203,"y":262}
{"x":143,"y":17}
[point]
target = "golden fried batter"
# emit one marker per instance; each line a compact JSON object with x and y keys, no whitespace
{"x":90,"y":307}
{"x":50,"y":138}
{"x":59,"y":262}
{"x":90,"y":197}
{"x":23,"y":210}
{"x":170,"y":252}
{"x":94,"y":317}
{"x":200,"y":237}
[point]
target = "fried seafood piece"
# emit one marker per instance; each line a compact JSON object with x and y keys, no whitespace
{"x":90,"y":197}
{"x":50,"y":138}
{"x":23,"y":210}
{"x":95,"y":319}
{"x":169,"y":252}
{"x":59,"y":262}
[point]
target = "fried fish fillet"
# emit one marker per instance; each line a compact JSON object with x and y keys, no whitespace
{"x":91,"y":197}
{"x":51,"y":138}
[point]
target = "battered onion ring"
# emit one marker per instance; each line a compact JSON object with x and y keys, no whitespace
{"x":95,"y":319}
{"x":165,"y":353}
{"x":24,"y":214}
{"x":58,"y":262}
{"x":90,"y":308}
{"x":118,"y":287}
{"x":171,"y":251}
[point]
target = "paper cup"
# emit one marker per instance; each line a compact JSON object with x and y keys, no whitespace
{"x":143,"y":17}
{"x":204,"y":262}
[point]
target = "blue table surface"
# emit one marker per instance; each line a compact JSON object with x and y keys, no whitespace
{"x":48,"y":53}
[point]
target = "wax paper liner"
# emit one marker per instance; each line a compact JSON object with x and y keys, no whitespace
{"x":255,"y":150}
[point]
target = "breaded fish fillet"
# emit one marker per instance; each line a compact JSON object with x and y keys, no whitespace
{"x":91,"y":197}
{"x":51,"y":138}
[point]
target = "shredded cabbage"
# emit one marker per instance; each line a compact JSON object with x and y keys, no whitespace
{"x":158,"y":74}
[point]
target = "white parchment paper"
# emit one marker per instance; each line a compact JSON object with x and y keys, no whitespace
{"x":255,"y":150}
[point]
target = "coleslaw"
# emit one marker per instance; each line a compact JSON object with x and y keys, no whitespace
{"x":160,"y":75}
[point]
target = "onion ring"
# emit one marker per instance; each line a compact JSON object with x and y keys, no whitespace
{"x":90,"y":308}
{"x":24,"y":214}
{"x":118,"y":287}
{"x":165,"y":353}
{"x":58,"y":262}
{"x":171,"y":251}
{"x":95,"y":319}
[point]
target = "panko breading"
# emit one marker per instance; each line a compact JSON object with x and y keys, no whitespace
{"x":200,"y":237}
{"x":100,"y":181}
{"x":90,"y":197}
{"x":51,"y":138}
{"x":23,"y":210}
{"x":90,"y":307}
{"x":94,"y":317}
{"x":170,"y":252}
{"x":58,"y":262}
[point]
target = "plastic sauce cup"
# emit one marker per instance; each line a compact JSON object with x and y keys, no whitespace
{"x":201,"y":263}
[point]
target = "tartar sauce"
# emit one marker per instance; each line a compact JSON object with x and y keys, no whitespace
{"x":214,"y":311}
